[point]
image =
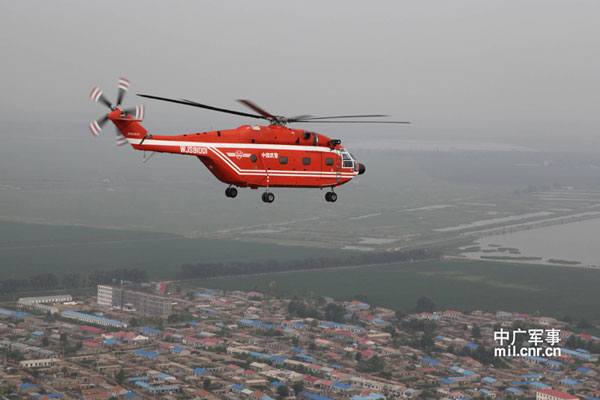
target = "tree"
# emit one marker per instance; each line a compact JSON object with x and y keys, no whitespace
{"x":298,"y":387}
{"x":425,"y":304}
{"x":120,"y":376}
{"x":476,"y":332}
{"x":206,"y":384}
{"x":45,"y":341}
{"x":358,"y":357}
{"x":283,"y":391}
{"x":273,"y":290}
{"x":400,"y":314}
{"x":334,"y":312}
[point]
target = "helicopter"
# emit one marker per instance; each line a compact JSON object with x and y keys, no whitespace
{"x":250,"y":156}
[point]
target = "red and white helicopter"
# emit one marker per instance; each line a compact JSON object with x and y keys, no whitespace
{"x":248,"y":156}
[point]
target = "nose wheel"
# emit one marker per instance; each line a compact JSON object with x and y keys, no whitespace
{"x":331,"y":197}
{"x":268,"y":197}
{"x":231,"y":192}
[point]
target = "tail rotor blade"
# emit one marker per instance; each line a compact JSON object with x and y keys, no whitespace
{"x":140,"y":112}
{"x":96,"y":126}
{"x":121,"y":140}
{"x":98,"y":97}
{"x":123,"y":87}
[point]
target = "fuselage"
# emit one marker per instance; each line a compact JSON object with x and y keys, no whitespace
{"x":256,"y":156}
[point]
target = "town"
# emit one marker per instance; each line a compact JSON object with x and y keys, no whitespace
{"x":160,"y":340}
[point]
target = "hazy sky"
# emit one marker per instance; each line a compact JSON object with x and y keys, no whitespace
{"x":522,"y":72}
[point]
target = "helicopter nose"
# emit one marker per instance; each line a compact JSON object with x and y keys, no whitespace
{"x":361,"y":168}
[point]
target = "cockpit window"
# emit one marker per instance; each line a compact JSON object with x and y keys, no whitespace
{"x":347,"y":160}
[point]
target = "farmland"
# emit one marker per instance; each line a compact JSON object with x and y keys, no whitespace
{"x":28,"y":249}
{"x":461,"y":285}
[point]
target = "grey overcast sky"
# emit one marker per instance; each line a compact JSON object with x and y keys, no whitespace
{"x":523,"y":72}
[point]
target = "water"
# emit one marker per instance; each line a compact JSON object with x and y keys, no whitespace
{"x":493,"y":221}
{"x":574,"y":241}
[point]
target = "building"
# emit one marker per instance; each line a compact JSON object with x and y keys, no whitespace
{"x":41,"y":303}
{"x":550,"y":394}
{"x":92,"y":319}
{"x":45,"y":362}
{"x":123,"y":298}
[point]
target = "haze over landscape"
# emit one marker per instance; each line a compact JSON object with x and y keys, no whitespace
{"x":483,"y":212}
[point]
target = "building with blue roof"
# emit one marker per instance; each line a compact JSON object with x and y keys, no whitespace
{"x":110,"y":341}
{"x":579,"y":354}
{"x":313,"y":396}
{"x":15,"y":314}
{"x":277,"y":384}
{"x":569,"y":382}
{"x":146,"y":353}
{"x":472,"y":346}
{"x":539,"y":385}
{"x":28,"y":387}
{"x":138,"y":379}
{"x":131,"y":395}
{"x":340,"y":385}
{"x":430,"y":361}
{"x":446,"y":381}
{"x":151,"y":331}
{"x":92,"y":319}
{"x":50,"y":395}
{"x":554,"y":363}
{"x":199,"y":371}
{"x":489,"y":379}
{"x":370,"y":396}
{"x":582,"y":350}
{"x":583,"y":370}
{"x":238,"y":388}
{"x":514,"y":390}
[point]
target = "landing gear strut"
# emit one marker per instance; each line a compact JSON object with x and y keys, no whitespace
{"x":268,"y":197}
{"x":231,"y":192}
{"x":331,"y":197}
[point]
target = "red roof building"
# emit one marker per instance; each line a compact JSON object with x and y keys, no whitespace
{"x":551,"y":394}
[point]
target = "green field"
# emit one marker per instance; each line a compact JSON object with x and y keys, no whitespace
{"x":459,"y":285}
{"x":29,"y":249}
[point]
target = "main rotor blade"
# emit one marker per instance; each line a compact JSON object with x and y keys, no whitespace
{"x":194,"y":104}
{"x":340,"y":116}
{"x":256,"y":108}
{"x":350,"y":122}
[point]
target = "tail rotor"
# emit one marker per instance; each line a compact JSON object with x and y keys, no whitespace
{"x":99,"y":97}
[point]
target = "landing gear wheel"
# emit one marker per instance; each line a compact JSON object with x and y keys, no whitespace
{"x":328,"y":196}
{"x":268,"y":197}
{"x":331,"y":197}
{"x":231,"y":192}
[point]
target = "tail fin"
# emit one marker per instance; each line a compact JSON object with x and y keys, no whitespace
{"x":129,"y":129}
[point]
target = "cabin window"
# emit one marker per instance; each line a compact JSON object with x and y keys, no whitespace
{"x":283,"y":160}
{"x":253,"y":158}
{"x":329,"y":161}
{"x":305,"y":160}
